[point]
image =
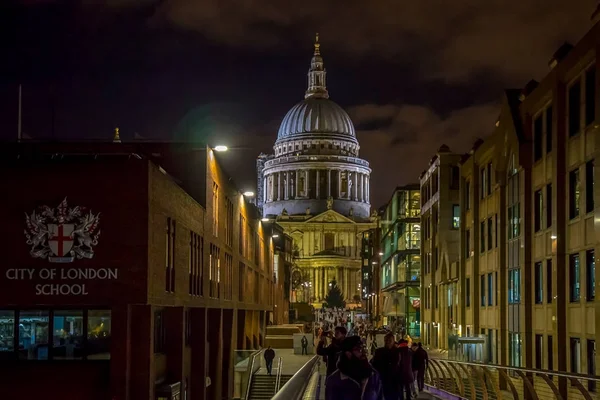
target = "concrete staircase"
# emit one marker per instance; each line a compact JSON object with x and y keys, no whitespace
{"x":263,"y":386}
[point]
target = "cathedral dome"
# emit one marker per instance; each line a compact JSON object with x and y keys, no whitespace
{"x":316,"y":115}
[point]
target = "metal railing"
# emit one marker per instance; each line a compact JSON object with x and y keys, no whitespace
{"x":476,"y":381}
{"x":251,"y":372}
{"x":294,"y":388}
{"x":278,"y":377}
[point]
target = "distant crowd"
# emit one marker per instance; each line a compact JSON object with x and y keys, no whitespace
{"x":389,"y":375}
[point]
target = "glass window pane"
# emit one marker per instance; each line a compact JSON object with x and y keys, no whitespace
{"x":7,"y":331}
{"x":33,"y":335}
{"x":99,"y":324}
{"x":67,"y":337}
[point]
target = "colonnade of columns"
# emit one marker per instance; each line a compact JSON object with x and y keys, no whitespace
{"x":347,"y":280}
{"x":317,"y":184}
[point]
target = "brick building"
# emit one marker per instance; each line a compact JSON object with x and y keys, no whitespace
{"x":141,"y":269}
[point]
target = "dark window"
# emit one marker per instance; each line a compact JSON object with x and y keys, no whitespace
{"x":467,"y":195}
{"x":7,"y":331}
{"x":490,"y":231}
{"x":575,"y":346}
{"x":548,"y":205}
{"x":482,"y":237}
{"x":549,"y":281}
{"x":34,"y":329}
{"x":538,"y":137}
{"x":482,"y":289}
{"x":170,"y":256}
{"x":160,"y":337}
{"x":454,"y":178}
{"x":483,"y":183}
{"x":549,"y":129}
{"x":496,"y":229}
{"x":329,"y":241}
{"x":574,"y":278}
{"x":589,"y":186}
{"x":590,"y":95}
{"x":98,"y":334}
{"x":490,"y":282}
{"x":539,"y":283}
{"x":575,"y":108}
{"x":497,"y":283}
{"x":467,"y":244}
{"x":590,"y":275}
{"x":538,"y":210}
{"x":539,"y":345}
{"x":489,"y":179}
{"x":574,"y":193}
{"x":196,"y":264}
{"x":435,"y":296}
{"x":550,"y":352}
{"x":455,"y":216}
{"x":468,"y":291}
{"x":591,"y":363}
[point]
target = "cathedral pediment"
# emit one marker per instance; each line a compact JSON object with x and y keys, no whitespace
{"x":330,"y":216}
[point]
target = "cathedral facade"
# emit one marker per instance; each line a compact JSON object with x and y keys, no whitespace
{"x":316,"y":187}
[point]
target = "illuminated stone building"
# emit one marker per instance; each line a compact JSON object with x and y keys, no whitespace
{"x":440,"y":222}
{"x":400,"y":261}
{"x":141,"y":271}
{"x":317,"y":188}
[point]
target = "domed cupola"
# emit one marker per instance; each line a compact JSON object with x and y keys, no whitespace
{"x":316,"y":164}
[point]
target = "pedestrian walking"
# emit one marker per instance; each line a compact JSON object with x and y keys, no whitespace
{"x":269,"y":357}
{"x":386,"y":362}
{"x":354,"y":379}
{"x":406,"y":372}
{"x":421,"y":363}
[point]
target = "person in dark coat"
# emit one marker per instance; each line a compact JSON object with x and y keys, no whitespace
{"x":269,"y":357}
{"x":420,"y":364}
{"x":332,"y":351}
{"x":406,"y":372}
{"x":304,"y":343}
{"x":386,"y":362}
{"x":354,"y":379}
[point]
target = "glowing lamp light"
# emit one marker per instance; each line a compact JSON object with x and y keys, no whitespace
{"x":380,"y":253}
{"x":265,"y":220}
{"x":553,"y":237}
{"x":248,"y":194}
{"x":275,"y":236}
{"x":220,"y":148}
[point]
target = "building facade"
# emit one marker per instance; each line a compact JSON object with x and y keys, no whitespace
{"x":529,"y":229}
{"x":141,"y":270}
{"x":440,"y":244}
{"x":400,"y":261}
{"x":317,"y":188}
{"x":371,"y":271}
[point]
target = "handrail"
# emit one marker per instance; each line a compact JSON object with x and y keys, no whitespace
{"x":473,"y":379}
{"x":251,"y":372}
{"x":295,"y":387}
{"x":278,"y":377}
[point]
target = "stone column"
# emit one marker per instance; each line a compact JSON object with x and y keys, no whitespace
{"x":279,"y":186}
{"x":297,"y":174}
{"x":367,"y":187}
{"x":325,"y":286}
{"x":339,"y":193}
{"x":318,"y":184}
{"x":266,"y":188}
{"x":363,"y":191}
{"x":355,"y":186}
{"x":307,"y":182}
{"x":328,"y":183}
{"x":286,"y":189}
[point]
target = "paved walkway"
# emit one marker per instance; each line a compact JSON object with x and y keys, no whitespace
{"x":291,"y":362}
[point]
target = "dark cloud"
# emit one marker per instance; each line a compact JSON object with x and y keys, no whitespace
{"x":400,"y":151}
{"x":453,"y":39}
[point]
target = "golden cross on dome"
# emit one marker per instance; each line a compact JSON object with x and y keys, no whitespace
{"x":317,"y":45}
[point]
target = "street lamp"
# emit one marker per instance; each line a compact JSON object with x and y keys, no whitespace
{"x":220,"y":148}
{"x":248,"y":193}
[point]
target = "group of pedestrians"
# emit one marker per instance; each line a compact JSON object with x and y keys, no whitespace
{"x":390,"y":375}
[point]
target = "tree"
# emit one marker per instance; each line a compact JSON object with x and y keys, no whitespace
{"x":335,"y":297}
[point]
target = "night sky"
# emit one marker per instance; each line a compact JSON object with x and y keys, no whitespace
{"x":412,"y":74}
